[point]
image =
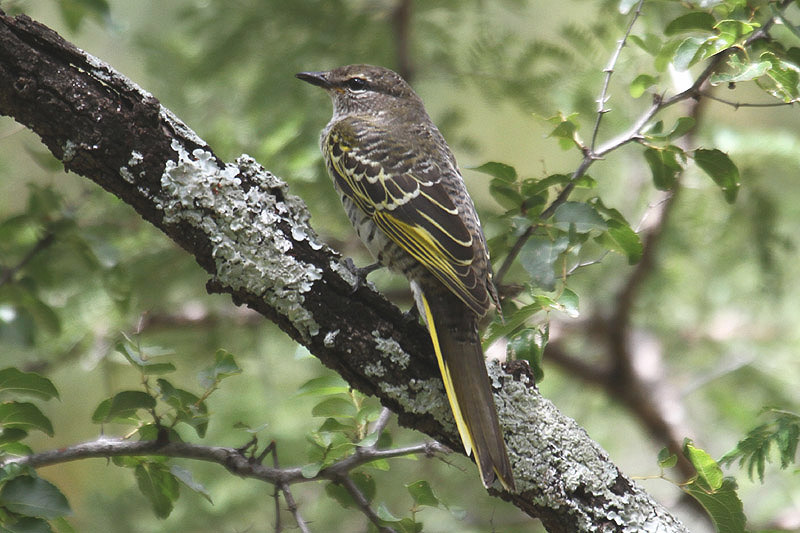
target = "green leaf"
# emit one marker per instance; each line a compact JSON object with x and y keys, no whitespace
{"x":622,"y":239}
{"x":189,"y":409}
{"x":715,"y":493}
{"x":582,"y":216}
{"x":158,"y":485}
{"x":33,"y":496}
{"x":688,"y":52}
{"x":14,"y":381}
{"x":341,"y":495}
{"x":640,"y":84}
{"x":514,"y":321}
{"x":27,"y":524}
{"x":682,"y":126}
{"x":324,"y":386}
{"x":125,"y":404}
{"x":538,"y":256}
{"x":731,"y":31}
{"x":708,"y":471}
{"x":667,"y":459}
{"x":740,"y":71}
{"x":504,"y":172}
{"x":422,"y":493}
{"x":142,"y":360}
{"x":721,"y":169}
{"x":310,"y":470}
{"x":693,"y":21}
{"x":334,"y":407}
{"x":224,"y":366}
{"x":531,"y":187}
{"x":185,"y":476}
{"x":384,"y":514}
{"x":529,"y":344}
{"x":569,"y":303}
{"x":722,"y":505}
{"x":664,"y":167}
{"x":506,"y":195}
{"x":26,"y":416}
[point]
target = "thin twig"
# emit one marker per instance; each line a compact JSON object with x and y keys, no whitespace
{"x":380,"y":424}
{"x":737,"y":105}
{"x":293,"y":508}
{"x":363,"y":504}
{"x":634,"y":133}
{"x":609,"y":70}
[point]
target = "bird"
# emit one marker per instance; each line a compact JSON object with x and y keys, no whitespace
{"x":404,"y":194}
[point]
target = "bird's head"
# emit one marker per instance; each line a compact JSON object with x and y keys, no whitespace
{"x":364,"y":89}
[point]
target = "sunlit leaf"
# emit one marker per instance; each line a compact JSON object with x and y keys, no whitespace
{"x":26,"y":416}
{"x":15,"y":381}
{"x":504,"y":172}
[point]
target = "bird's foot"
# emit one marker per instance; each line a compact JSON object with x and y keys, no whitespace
{"x":360,"y":273}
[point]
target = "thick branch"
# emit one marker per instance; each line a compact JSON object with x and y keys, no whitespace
{"x":245,"y":229}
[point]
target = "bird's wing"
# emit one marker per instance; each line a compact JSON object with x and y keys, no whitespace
{"x":400,"y":185}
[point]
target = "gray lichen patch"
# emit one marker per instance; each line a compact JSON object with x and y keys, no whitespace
{"x":249,"y":249}
{"x":557,"y":460}
{"x":391,"y":348}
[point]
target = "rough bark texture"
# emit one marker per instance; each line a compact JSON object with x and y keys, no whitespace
{"x":253,"y":238}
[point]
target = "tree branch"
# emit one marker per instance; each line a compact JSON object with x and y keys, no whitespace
{"x":254,"y":239}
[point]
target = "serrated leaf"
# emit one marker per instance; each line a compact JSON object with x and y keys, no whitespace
{"x":740,"y":72}
{"x":15,"y":381}
{"x":722,"y":505}
{"x":185,"y":476}
{"x":24,"y":415}
{"x":422,"y":493}
{"x":189,"y":409}
{"x":33,"y":496}
{"x":581,"y":216}
{"x":538,"y":256}
{"x":693,"y":21}
{"x":504,"y":172}
{"x":640,"y":84}
{"x":334,"y":407}
{"x":708,"y":471}
{"x":721,"y":169}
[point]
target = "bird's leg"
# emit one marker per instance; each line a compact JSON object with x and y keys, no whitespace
{"x":360,"y":273}
{"x":412,"y":315}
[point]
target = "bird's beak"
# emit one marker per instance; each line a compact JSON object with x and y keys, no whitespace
{"x":320,"y":79}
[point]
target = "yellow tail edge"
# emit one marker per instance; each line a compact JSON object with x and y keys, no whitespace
{"x":461,"y":424}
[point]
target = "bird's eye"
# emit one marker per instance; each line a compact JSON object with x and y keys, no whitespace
{"x":356,"y":84}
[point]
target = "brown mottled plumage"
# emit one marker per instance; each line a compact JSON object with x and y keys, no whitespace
{"x":403,"y":192}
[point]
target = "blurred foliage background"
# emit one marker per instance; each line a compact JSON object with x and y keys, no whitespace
{"x":715,"y":322}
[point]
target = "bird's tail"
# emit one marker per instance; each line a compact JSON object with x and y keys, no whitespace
{"x":454,"y":332}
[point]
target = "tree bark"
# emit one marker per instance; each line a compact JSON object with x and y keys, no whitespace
{"x":253,"y":237}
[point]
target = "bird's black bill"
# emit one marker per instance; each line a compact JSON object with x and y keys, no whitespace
{"x":314,"y":78}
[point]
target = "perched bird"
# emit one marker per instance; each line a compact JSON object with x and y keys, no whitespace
{"x":403,"y":192}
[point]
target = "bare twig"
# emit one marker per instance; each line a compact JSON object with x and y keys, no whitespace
{"x":634,"y":133}
{"x":401,"y":23}
{"x":380,"y":423}
{"x":293,"y":508}
{"x":609,"y":70}
{"x":737,"y":105}
{"x":363,"y":504}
